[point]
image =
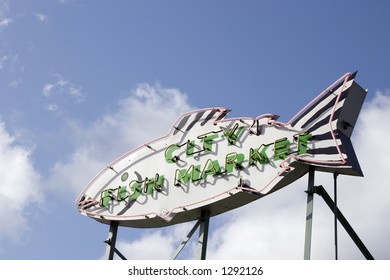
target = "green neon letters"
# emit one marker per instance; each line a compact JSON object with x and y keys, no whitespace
{"x":133,"y":190}
{"x":280,"y":149}
{"x":259,"y":155}
{"x":183,"y":176}
{"x":302,"y":139}
{"x":233,"y":134}
{"x":233,"y":160}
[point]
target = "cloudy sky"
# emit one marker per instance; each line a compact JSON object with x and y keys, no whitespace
{"x":82,"y":82}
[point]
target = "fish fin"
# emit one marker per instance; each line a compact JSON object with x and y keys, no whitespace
{"x":199,"y":117}
{"x":330,"y":120}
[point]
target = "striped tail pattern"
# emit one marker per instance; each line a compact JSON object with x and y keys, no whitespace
{"x":330,"y":119}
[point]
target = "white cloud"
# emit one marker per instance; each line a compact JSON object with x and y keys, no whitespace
{"x":52,"y":107}
{"x":41,"y":17}
{"x":61,"y":89}
{"x":9,"y":62}
{"x":58,"y":85}
{"x":47,"y":88}
{"x":76,"y":93}
{"x":15,"y":83}
{"x":3,"y":60}
{"x":5,"y":22}
{"x":19,"y":186}
{"x":145,"y":115}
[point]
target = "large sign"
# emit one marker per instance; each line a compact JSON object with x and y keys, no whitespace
{"x":211,"y":162}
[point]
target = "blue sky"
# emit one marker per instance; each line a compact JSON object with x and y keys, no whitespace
{"x":82,"y":82}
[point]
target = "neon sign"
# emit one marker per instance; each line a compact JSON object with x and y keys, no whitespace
{"x":210,"y":161}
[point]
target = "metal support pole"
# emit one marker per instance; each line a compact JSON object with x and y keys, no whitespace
{"x":203,"y":235}
{"x":110,"y":248}
{"x":309,"y":214}
{"x":335,"y":216}
{"x":340,"y":217}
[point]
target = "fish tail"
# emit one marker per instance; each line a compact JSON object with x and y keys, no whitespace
{"x":329,"y":120}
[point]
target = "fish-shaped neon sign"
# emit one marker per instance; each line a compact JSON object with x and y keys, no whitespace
{"x":210,"y":162}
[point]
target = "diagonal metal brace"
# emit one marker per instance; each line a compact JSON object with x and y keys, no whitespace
{"x":320,"y":190}
{"x":108,"y":242}
{"x":203,"y":225}
{"x":185,"y":241}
